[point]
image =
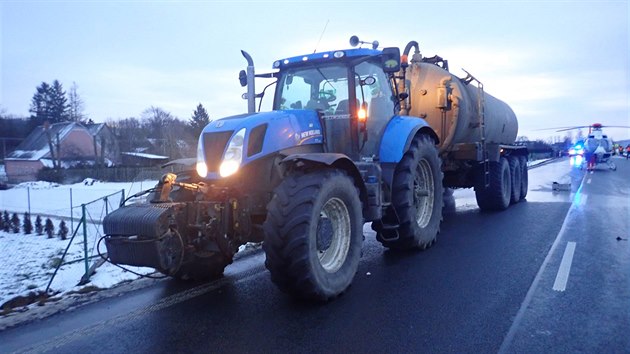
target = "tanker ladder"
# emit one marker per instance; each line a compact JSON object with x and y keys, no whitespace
{"x":481,"y":124}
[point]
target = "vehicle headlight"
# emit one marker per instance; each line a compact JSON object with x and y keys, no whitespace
{"x":233,"y":155}
{"x":202,"y":169}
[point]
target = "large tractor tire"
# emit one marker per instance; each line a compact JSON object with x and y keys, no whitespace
{"x":524,"y":177}
{"x":417,"y":196}
{"x":498,"y":193}
{"x":515,"y":173}
{"x":313,"y":234}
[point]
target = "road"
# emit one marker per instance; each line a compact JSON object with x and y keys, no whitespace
{"x":546,"y":275}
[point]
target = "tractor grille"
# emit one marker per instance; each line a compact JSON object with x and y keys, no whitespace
{"x":214,"y":146}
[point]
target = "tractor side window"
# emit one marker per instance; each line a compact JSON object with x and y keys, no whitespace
{"x":373,"y":89}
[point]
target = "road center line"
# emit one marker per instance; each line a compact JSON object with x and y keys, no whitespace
{"x":565,"y":267}
{"x":509,"y":337}
{"x":588,"y":181}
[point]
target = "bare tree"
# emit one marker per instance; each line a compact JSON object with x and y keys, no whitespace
{"x":76,"y":105}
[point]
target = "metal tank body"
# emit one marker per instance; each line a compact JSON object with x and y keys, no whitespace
{"x":451,"y":107}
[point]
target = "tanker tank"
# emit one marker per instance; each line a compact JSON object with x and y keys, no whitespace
{"x":451,"y":106}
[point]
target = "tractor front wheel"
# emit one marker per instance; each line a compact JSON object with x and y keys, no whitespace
{"x":313,"y":234}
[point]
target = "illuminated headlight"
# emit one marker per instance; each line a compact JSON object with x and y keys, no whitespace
{"x":202,"y":169}
{"x":571,"y":151}
{"x":233,"y":155}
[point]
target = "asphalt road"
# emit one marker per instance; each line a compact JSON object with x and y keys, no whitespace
{"x":486,"y":286}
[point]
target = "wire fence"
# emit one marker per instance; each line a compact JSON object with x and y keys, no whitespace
{"x":34,"y":261}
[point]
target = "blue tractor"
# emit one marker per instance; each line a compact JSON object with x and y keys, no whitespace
{"x":334,"y":153}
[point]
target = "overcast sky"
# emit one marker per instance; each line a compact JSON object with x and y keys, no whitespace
{"x":556,"y":63}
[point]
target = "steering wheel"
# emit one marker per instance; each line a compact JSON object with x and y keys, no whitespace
{"x":326,"y":96}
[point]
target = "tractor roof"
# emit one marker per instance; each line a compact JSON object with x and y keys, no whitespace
{"x":331,"y":56}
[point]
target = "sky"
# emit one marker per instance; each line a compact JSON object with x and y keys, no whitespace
{"x":556,"y":63}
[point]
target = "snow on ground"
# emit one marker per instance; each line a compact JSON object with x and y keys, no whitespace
{"x":27,"y":261}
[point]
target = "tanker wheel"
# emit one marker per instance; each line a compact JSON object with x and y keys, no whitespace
{"x":313,"y":234}
{"x":524,"y":177}
{"x":515,"y":173}
{"x":498,"y":193}
{"x":417,"y":196}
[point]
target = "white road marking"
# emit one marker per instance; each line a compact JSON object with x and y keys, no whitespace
{"x":565,"y":268}
{"x":588,"y":181}
{"x":509,"y":337}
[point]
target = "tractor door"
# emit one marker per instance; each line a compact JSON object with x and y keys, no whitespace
{"x":376,"y":98}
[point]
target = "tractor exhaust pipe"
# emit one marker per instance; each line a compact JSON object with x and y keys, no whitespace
{"x":250,"y":78}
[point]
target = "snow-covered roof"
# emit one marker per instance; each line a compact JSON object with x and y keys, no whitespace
{"x":35,"y":146}
{"x":145,"y":155}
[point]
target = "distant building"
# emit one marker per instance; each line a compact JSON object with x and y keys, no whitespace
{"x":71,"y":143}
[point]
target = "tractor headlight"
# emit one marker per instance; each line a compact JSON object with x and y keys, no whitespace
{"x":233,"y":155}
{"x":202,"y":169}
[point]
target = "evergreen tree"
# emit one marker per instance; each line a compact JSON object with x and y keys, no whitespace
{"x":58,"y":103}
{"x":39,"y":228}
{"x":40,"y":110}
{"x":1,"y":222}
{"x":199,"y":120}
{"x":49,"y":228}
{"x":63,"y":230}
{"x":15,"y":223}
{"x":6,"y":221}
{"x":49,"y":103}
{"x":27,"y":225}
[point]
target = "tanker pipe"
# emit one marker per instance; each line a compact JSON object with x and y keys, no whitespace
{"x":406,"y":107}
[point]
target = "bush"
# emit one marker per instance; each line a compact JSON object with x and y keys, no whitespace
{"x":6,"y":221}
{"x":49,"y":228}
{"x":63,"y":230}
{"x":15,"y":223}
{"x":39,"y":228}
{"x":27,"y":225}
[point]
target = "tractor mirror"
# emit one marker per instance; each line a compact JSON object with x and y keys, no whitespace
{"x":242,"y":77}
{"x":390,"y":59}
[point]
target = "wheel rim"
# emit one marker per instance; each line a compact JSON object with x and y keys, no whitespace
{"x":423,"y":193}
{"x":333,"y":235}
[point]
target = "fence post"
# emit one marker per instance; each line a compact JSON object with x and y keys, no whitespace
{"x":28,"y":192}
{"x":85,"y":249}
{"x":71,"y":212}
{"x":122,"y":199}
{"x":106,"y":206}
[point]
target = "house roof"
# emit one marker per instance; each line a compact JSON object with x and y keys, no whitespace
{"x":145,"y":156}
{"x":35,"y":146}
{"x":95,"y":128}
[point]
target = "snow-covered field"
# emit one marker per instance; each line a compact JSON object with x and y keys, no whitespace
{"x":27,"y":261}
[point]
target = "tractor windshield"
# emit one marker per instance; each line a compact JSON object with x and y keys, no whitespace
{"x":320,"y":88}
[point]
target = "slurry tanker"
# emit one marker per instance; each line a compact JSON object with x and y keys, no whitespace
{"x":355,"y":136}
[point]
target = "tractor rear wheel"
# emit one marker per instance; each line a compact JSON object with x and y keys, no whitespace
{"x":496,"y":196}
{"x":313,"y":234}
{"x":417,"y":196}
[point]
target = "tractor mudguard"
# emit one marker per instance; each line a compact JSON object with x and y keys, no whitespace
{"x":393,"y":146}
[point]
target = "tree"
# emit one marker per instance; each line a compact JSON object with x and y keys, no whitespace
{"x":199,"y":120}
{"x":39,"y":228}
{"x":40,"y":110}
{"x":75,"y":105}
{"x":15,"y":223}
{"x":27,"y":225}
{"x":49,"y":103}
{"x":6,"y":221}
{"x":63,"y":230}
{"x":49,"y":228}
{"x":1,"y":222}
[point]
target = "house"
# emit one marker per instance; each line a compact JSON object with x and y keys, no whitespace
{"x":71,"y":143}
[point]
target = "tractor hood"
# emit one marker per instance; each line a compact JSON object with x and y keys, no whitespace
{"x":232,"y":142}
